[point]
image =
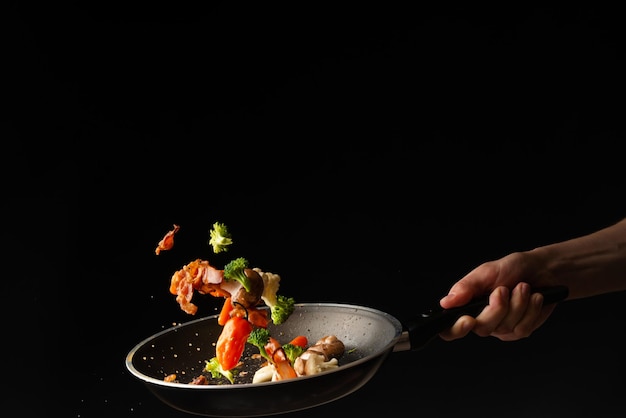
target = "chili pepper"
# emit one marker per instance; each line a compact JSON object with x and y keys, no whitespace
{"x":232,"y":341}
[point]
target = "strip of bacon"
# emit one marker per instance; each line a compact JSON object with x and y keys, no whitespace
{"x":168,"y":241}
{"x":199,"y":276}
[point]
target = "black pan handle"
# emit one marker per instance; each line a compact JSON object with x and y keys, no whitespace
{"x":431,"y":322}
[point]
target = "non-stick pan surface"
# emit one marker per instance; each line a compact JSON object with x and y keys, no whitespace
{"x":369,"y":336}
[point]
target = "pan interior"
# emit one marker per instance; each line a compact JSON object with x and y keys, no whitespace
{"x":183,"y":349}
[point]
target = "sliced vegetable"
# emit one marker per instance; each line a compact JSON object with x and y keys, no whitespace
{"x":224,"y":315}
{"x":283,"y":365}
{"x":232,"y":341}
{"x":300,"y":341}
{"x":281,"y":362}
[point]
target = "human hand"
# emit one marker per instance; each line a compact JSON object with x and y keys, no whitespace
{"x":513,"y":311}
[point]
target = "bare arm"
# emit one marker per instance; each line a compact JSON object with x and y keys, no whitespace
{"x":588,"y":265}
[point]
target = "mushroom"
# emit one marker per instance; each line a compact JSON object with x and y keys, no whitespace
{"x":329,"y":346}
{"x":253,"y":297}
{"x":320,"y":357}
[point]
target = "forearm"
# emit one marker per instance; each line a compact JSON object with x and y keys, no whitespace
{"x":588,"y":265}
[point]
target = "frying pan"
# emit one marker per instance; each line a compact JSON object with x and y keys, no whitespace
{"x":369,"y":335}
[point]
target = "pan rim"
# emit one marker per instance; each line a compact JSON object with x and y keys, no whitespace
{"x":243,"y":386}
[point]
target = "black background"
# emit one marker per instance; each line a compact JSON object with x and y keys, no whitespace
{"x":368,"y":154}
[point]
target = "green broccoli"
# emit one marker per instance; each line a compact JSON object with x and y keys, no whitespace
{"x":280,"y":306}
{"x":293,"y":351}
{"x":283,"y":308}
{"x":215,"y":368}
{"x":259,"y":337}
{"x":235,"y":270}
{"x":220,"y":237}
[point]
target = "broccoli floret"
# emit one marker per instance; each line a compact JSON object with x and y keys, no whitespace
{"x":280,"y":306}
{"x":259,"y":337}
{"x":235,"y":270}
{"x":220,"y":237}
{"x":283,"y":308}
{"x":215,"y":368}
{"x":293,"y":351}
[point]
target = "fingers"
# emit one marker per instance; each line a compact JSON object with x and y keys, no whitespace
{"x":475,"y":283}
{"x":509,"y":316}
{"x":460,"y":329}
{"x":528,"y":323}
{"x":531,"y":320}
{"x":518,"y":304}
{"x":494,"y":313}
{"x":485,"y":322}
{"x":525,"y":313}
{"x":461,"y":293}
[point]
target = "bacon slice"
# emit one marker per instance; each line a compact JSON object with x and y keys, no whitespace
{"x":199,"y":276}
{"x":168,"y":241}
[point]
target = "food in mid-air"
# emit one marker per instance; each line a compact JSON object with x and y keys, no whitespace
{"x":167,"y":242}
{"x":251,"y":302}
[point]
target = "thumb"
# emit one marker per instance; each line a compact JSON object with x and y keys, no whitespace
{"x":458,"y":295}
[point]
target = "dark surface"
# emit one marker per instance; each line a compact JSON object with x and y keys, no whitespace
{"x":368,"y":156}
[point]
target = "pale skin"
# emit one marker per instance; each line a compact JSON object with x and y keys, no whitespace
{"x":588,"y":265}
